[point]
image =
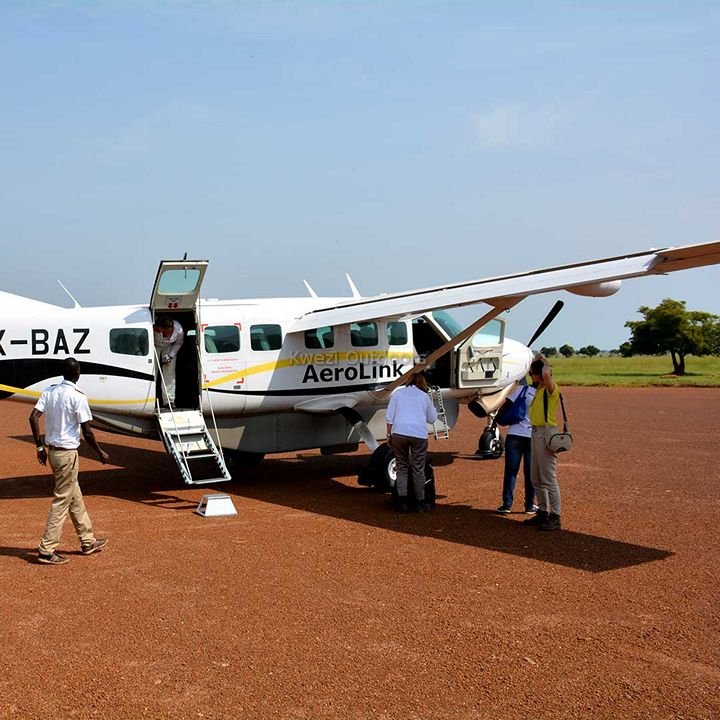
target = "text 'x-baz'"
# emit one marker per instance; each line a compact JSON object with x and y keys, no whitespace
{"x":44,"y":342}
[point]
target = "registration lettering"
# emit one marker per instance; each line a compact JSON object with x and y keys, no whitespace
{"x":49,"y":342}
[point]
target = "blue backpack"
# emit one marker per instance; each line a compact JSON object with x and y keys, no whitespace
{"x":512,"y":412}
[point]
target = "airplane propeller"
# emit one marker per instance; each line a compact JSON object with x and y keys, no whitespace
{"x":556,"y":308}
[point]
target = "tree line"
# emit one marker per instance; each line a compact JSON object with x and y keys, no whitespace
{"x":667,"y":329}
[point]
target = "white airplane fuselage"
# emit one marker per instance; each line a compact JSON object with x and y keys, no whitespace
{"x":265,"y":389}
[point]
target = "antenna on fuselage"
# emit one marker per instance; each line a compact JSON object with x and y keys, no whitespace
{"x":77,"y":304}
{"x":309,"y":289}
{"x":353,"y":289}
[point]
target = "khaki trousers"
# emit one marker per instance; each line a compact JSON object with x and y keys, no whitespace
{"x":168,"y":373}
{"x":543,"y":472}
{"x":67,"y":498}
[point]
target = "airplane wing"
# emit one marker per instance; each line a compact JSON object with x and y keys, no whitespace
{"x":596,"y":277}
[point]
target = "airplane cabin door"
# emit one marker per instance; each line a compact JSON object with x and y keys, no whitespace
{"x":177,"y":285}
{"x":175,"y":294}
{"x":479,"y":358}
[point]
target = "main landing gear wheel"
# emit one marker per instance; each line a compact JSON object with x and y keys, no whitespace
{"x":380,"y":472}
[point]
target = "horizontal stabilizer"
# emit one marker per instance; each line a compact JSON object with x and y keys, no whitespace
{"x":8,"y":301}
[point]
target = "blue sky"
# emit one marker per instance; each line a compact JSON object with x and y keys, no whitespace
{"x":407,"y":143}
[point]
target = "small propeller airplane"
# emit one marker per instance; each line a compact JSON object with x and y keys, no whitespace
{"x":278,"y":375}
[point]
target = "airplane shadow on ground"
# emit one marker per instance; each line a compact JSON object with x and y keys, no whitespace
{"x":309,"y":482}
{"x":144,"y":475}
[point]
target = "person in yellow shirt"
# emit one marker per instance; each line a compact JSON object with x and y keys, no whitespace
{"x":543,"y":461}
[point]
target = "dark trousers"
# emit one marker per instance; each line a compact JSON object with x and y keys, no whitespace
{"x":517,"y":450}
{"x":410,"y":455}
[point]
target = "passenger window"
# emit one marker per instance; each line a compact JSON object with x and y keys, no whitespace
{"x":265,"y":337}
{"x":363,"y":334}
{"x":323,"y":337}
{"x":222,"y":338}
{"x":397,"y":333}
{"x":129,"y":341}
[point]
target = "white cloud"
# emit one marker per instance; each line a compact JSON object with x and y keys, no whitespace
{"x":520,"y":125}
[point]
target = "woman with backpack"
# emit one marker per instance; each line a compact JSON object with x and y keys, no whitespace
{"x":517,"y":449}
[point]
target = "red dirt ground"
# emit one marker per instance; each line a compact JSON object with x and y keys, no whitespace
{"x":316,"y":601}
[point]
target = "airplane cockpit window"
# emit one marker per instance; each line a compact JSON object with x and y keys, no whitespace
{"x":322,"y":337}
{"x":397,"y":333}
{"x":129,"y":341}
{"x":447,"y":322}
{"x":222,"y":338}
{"x":490,"y":334}
{"x":265,"y":337}
{"x":363,"y":334}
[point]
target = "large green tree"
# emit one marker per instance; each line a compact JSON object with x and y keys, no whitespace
{"x":672,"y":328}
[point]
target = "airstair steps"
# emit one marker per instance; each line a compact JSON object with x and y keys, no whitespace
{"x":440,"y":426}
{"x":187,"y":440}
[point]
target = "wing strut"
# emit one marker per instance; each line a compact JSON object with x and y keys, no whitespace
{"x":501,"y":306}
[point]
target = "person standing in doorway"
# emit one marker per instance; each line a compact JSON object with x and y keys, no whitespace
{"x":409,"y":411}
{"x":543,"y":461}
{"x":517,"y":452}
{"x":67,"y":413}
{"x":169,"y":336}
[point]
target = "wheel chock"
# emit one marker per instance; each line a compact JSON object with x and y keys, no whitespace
{"x":215,"y":506}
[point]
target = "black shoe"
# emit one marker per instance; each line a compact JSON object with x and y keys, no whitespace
{"x":422,"y":506}
{"x":503,"y":510}
{"x":400,"y":504}
{"x":539,"y":518}
{"x":552,"y":522}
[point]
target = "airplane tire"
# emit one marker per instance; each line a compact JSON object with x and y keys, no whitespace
{"x":241,"y":459}
{"x":490,"y":444}
{"x":380,"y":471}
{"x":387,"y":472}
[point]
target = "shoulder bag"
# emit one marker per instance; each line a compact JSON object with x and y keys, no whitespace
{"x":557,"y":441}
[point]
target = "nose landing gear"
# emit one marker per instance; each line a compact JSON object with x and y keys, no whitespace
{"x":490,"y":444}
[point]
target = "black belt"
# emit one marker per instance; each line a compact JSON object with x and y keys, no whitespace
{"x":55,"y":447}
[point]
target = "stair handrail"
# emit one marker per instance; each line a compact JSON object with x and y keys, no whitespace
{"x":205,"y":389}
{"x":437,"y":400}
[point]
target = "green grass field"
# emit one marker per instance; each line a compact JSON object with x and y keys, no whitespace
{"x":635,"y":371}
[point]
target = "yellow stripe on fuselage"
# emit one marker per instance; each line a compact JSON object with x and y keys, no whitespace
{"x":19,"y":391}
{"x":303,"y":359}
{"x":24,"y":392}
{"x":300,"y":360}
